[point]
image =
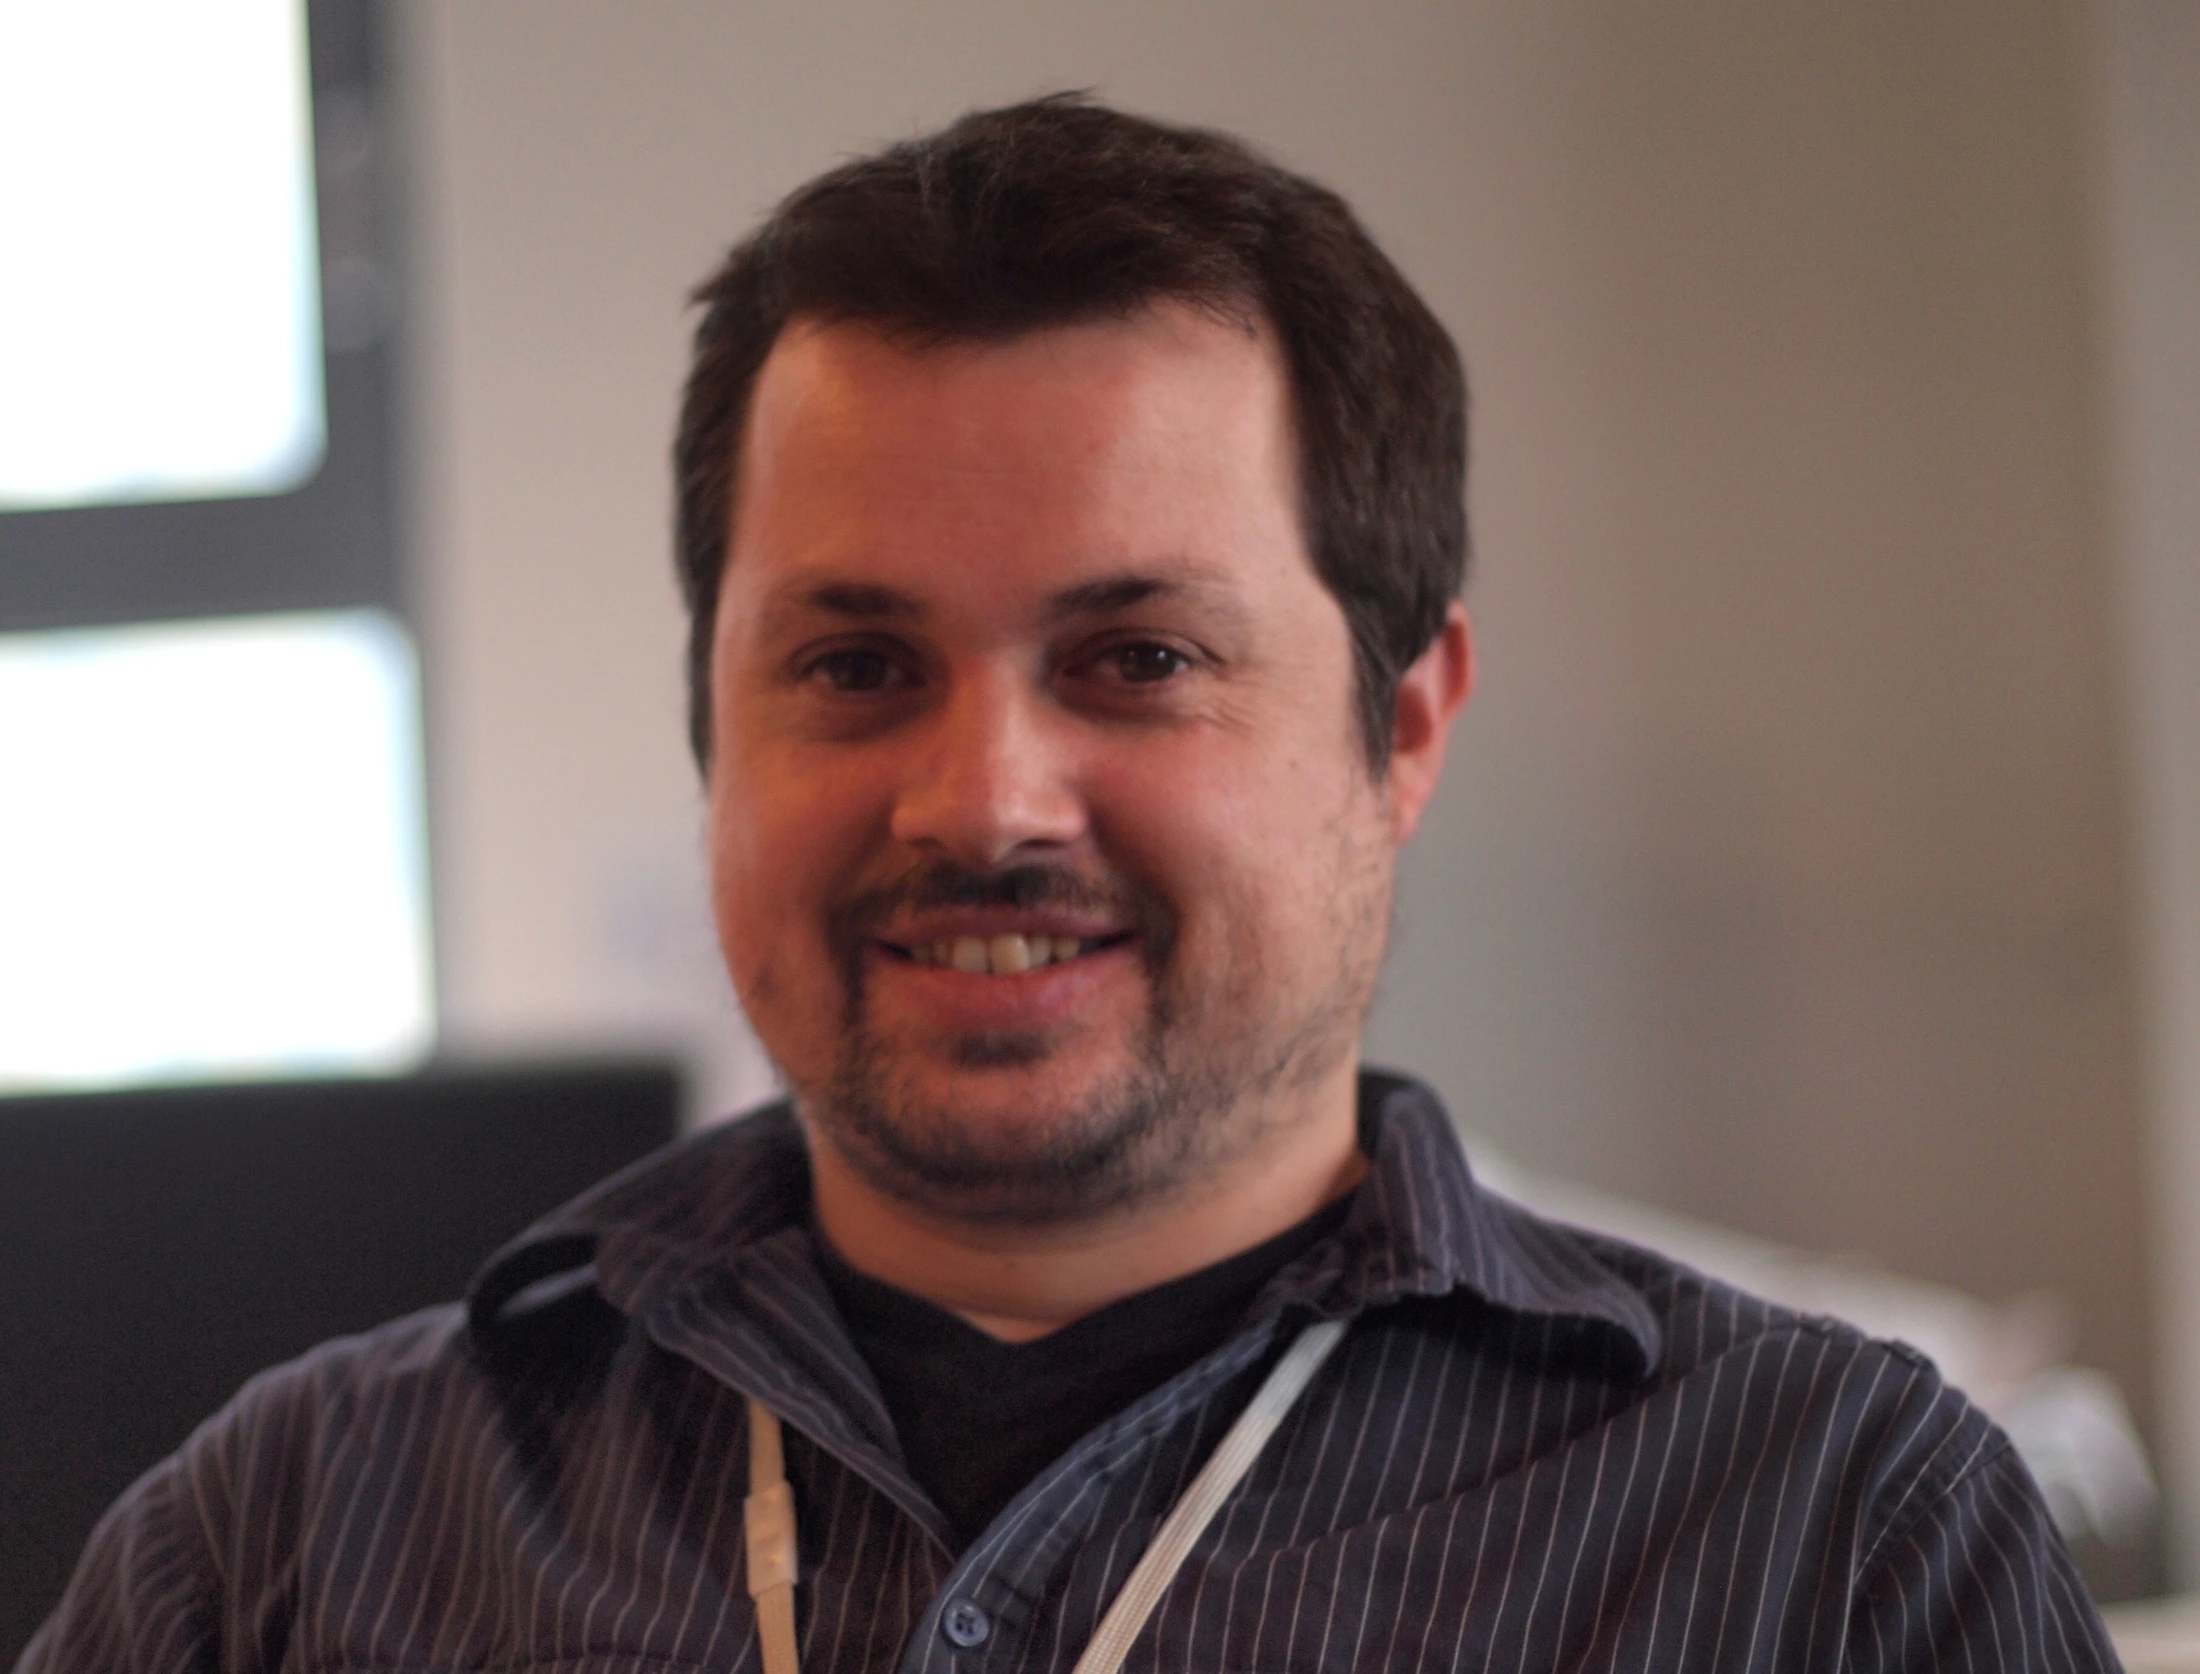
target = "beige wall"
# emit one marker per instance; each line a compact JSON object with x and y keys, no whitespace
{"x":2145,"y":95}
{"x":1778,"y":877}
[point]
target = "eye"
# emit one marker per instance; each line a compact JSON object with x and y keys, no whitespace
{"x":855,"y":669}
{"x":1144,"y":662}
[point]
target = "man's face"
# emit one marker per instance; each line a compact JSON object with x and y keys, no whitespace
{"x":1044,"y":855}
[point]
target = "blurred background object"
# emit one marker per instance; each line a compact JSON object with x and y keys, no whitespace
{"x":212,"y":831}
{"x":160,"y":1245}
{"x":216,"y":864}
{"x":133,"y":136}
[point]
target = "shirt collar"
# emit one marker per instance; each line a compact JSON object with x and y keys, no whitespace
{"x":1419,"y":1227}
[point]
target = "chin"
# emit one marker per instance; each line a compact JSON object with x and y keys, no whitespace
{"x":1001,"y":1049}
{"x":999,"y":1133}
{"x":1009,"y":1096}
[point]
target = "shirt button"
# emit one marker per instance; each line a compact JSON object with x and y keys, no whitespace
{"x":966,"y":1625}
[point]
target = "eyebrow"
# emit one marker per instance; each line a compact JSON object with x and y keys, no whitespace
{"x":1108,"y":594}
{"x":866,"y":602}
{"x":860,"y":601}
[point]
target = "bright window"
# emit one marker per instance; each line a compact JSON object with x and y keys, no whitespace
{"x":160,"y":333}
{"x":212,"y":859}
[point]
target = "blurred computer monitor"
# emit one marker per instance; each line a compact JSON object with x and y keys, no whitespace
{"x":160,"y":1245}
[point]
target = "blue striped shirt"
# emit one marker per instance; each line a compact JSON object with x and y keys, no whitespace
{"x":1535,"y":1449}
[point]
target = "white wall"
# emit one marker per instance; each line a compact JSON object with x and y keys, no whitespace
{"x":1780,"y":873}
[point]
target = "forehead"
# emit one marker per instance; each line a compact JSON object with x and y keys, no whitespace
{"x":1160,"y":439}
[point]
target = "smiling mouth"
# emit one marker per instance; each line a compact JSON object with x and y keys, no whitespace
{"x":1008,"y":954}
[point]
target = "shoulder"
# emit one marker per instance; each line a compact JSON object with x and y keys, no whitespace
{"x":261,"y":1466}
{"x":178,"y":1562}
{"x":459,"y":1412}
{"x":1747,"y":1400}
{"x":1798,"y":1430}
{"x":545,"y":1326}
{"x":684,"y":1210}
{"x":1865,"y":1426}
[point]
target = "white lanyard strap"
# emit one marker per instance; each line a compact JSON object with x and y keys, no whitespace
{"x":770,"y":1515}
{"x":768,"y":1520}
{"x":1224,"y":1469}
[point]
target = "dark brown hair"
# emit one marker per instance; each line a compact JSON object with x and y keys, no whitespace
{"x":1061,"y":211}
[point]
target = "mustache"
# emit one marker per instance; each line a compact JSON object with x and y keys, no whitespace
{"x":939,"y":884}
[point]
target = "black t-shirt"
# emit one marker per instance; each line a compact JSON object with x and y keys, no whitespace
{"x":978,"y":1418}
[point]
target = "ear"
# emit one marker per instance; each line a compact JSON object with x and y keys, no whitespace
{"x":1430,"y":694}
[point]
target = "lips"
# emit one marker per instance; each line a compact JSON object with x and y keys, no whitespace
{"x":982,"y":980}
{"x":1003,"y":949}
{"x":1007,"y":953}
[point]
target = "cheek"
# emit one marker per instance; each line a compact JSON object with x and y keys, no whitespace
{"x":737,"y":898}
{"x":777,"y":842}
{"x":1249,"y":849}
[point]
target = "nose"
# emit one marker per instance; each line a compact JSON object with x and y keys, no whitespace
{"x":991,"y":777}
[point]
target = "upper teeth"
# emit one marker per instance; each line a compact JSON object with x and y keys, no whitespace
{"x":1003,"y":955}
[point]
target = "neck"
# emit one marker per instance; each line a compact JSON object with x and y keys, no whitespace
{"x":1020,"y":1282}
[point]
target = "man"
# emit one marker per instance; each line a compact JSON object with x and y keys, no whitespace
{"x":1071,"y":519}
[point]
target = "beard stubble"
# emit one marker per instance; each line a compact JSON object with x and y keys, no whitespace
{"x":1197,"y":1087}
